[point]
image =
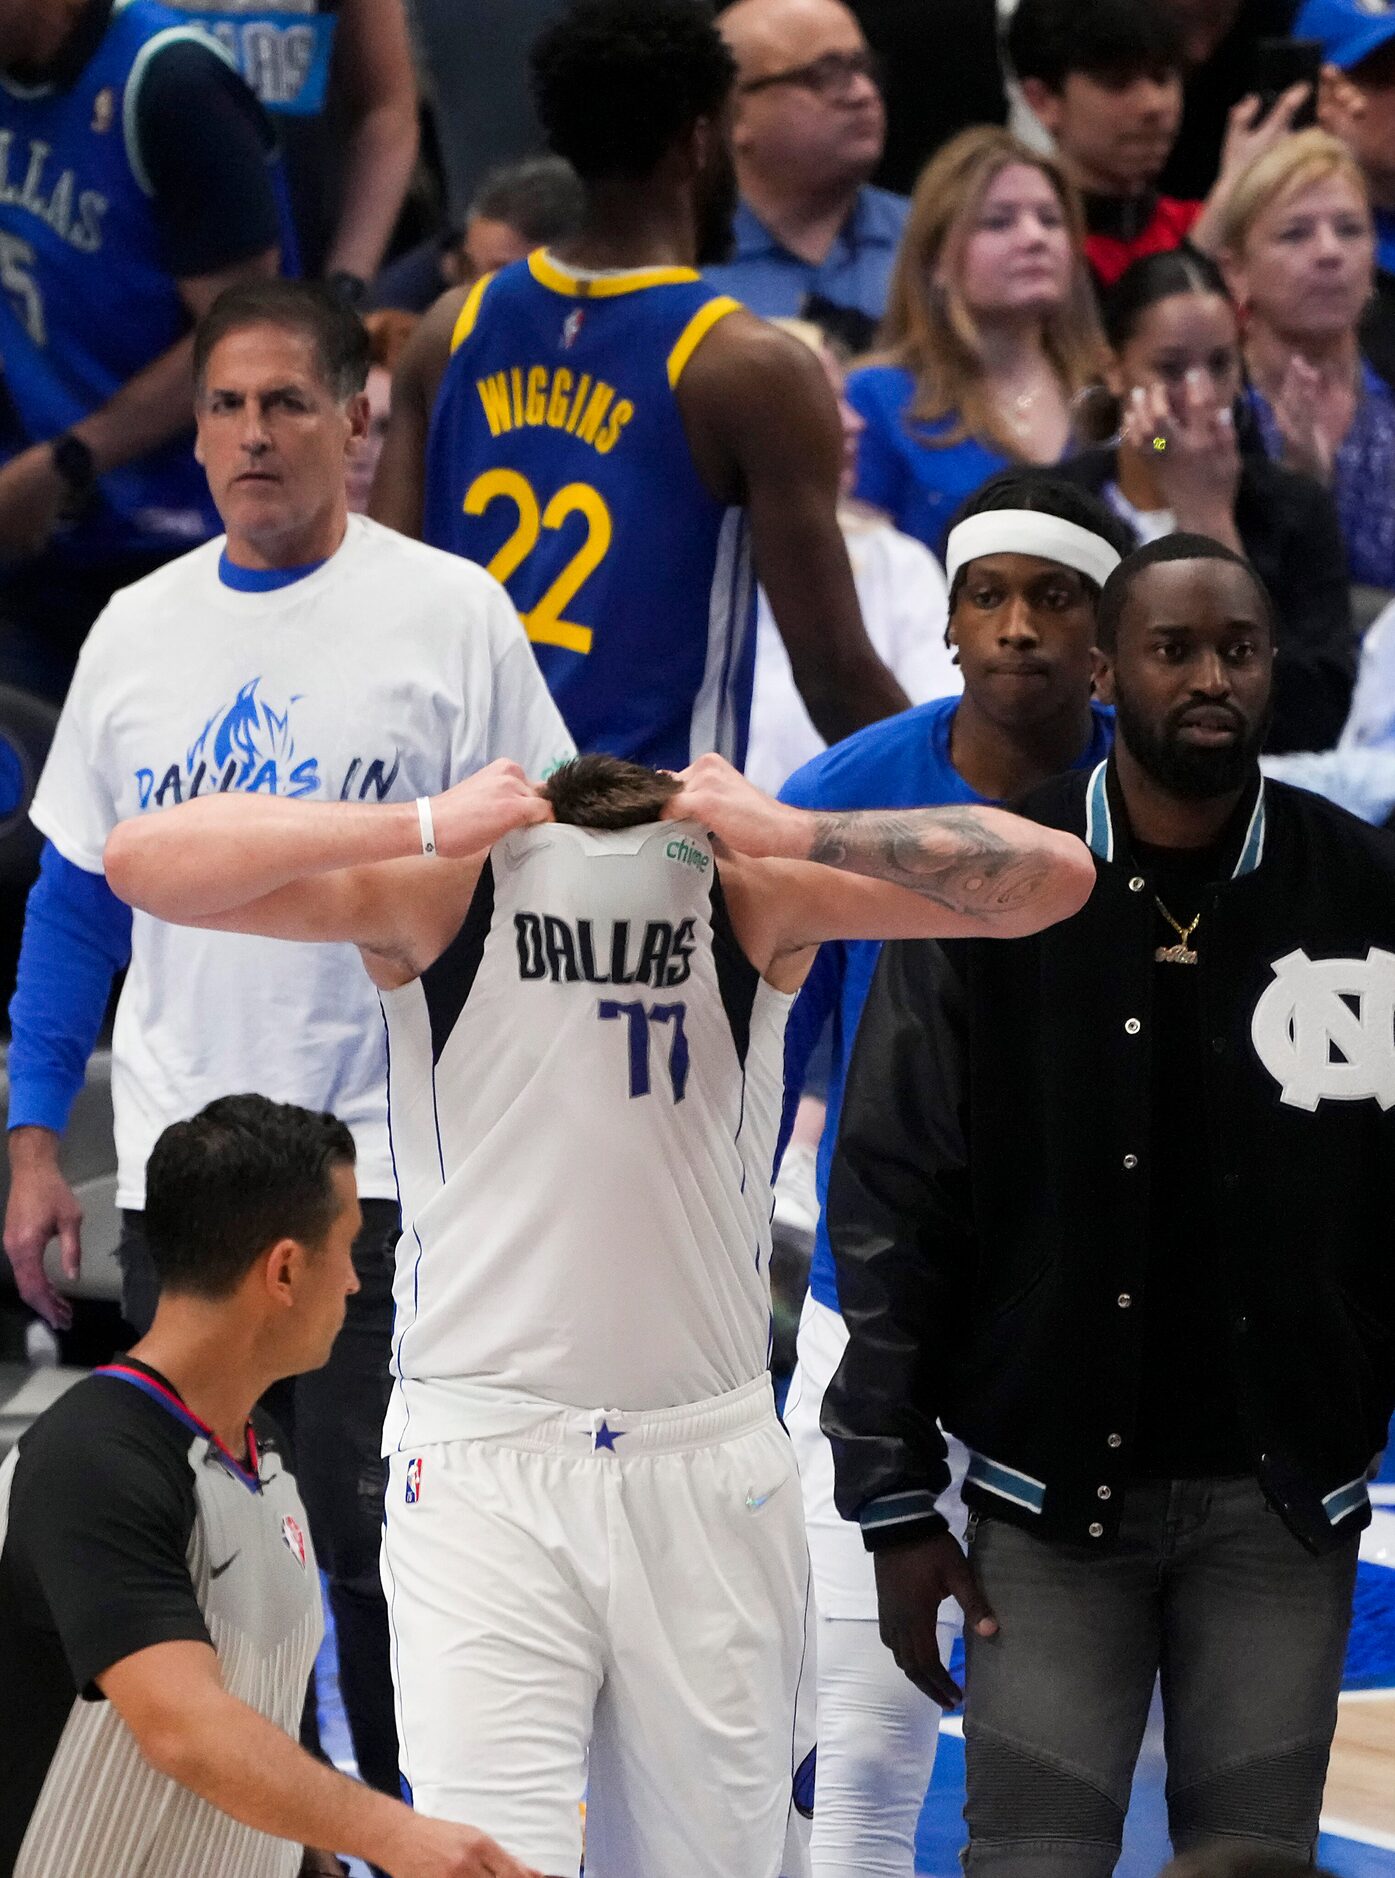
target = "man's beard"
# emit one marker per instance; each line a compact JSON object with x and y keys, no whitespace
{"x":1194,"y":772}
{"x":715,"y":208}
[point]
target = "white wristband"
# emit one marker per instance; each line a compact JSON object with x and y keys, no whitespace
{"x":428,"y":827}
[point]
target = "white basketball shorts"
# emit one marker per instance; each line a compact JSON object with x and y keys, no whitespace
{"x":611,"y":1606}
{"x":844,"y":1582}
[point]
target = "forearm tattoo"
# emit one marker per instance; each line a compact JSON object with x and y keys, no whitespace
{"x":950,"y":856}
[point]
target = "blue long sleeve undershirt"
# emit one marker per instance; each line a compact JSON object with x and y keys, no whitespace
{"x":77,"y":936}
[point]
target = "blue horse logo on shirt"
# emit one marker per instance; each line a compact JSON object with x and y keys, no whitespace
{"x":250,"y":746}
{"x":247,"y":745}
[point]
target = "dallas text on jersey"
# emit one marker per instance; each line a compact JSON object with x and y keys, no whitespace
{"x":65,"y":201}
{"x":563,"y":952}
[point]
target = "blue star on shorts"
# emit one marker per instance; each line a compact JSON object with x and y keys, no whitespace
{"x":607,"y":1437}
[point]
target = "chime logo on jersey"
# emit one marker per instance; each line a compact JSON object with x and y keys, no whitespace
{"x":294,"y":1538}
{"x":413,"y":1493}
{"x":689,"y":854}
{"x":1325,"y":1029}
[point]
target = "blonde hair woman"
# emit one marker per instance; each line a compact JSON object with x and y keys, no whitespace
{"x":990,"y":332}
{"x":1298,"y":246}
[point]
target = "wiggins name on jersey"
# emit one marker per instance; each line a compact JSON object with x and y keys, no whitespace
{"x":559,"y":461}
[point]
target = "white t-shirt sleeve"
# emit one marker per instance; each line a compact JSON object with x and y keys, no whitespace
{"x":73,"y":805}
{"x":524,"y":722}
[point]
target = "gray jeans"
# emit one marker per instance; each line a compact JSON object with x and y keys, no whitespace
{"x":1206,"y":1587}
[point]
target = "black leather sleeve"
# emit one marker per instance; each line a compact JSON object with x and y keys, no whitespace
{"x":900,"y":1224}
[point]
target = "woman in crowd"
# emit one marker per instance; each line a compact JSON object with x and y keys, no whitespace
{"x":900,"y":588}
{"x":990,"y":333}
{"x":1185,"y":457}
{"x":1299,"y":249}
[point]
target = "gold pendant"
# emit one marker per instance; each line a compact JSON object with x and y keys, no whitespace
{"x":1174,"y":955}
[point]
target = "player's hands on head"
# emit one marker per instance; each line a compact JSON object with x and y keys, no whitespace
{"x":719,"y":798}
{"x":41,"y":1206}
{"x":912,"y":1582}
{"x":442,"y":1849}
{"x":484,"y":808}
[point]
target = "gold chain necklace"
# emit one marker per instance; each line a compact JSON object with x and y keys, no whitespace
{"x":1182,"y":953}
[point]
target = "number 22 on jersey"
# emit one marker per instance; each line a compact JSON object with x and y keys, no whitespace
{"x":544,"y":622}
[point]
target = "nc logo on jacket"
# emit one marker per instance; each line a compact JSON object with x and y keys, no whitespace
{"x":1325,"y":1029}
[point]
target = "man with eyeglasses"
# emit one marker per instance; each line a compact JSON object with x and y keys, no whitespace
{"x":812,"y":235}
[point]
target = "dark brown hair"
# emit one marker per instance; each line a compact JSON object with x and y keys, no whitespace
{"x":337,"y":333}
{"x":607,"y":792}
{"x":227,"y":1184}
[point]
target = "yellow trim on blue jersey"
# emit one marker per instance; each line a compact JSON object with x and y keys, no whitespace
{"x":465,"y":324}
{"x":634,"y":280}
{"x":693,"y":334}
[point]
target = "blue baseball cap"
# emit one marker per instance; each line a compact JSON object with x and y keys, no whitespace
{"x":1350,"y":30}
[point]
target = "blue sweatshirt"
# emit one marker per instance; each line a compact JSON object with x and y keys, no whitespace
{"x":902,"y":762}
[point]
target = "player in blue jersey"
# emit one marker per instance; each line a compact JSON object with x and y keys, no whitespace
{"x":136,"y":183}
{"x":1033,"y":552}
{"x":624,"y":448}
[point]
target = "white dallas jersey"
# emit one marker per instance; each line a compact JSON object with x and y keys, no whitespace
{"x":584,"y":1093}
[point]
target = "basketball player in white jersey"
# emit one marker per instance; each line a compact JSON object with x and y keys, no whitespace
{"x":594,"y":1552}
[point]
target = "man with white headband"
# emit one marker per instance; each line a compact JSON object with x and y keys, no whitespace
{"x":1026,"y":562}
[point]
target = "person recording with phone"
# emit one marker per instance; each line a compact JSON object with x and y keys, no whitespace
{"x":1105,"y":77}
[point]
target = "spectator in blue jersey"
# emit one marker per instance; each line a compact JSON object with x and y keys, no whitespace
{"x":309,"y":653}
{"x":1026,"y":561}
{"x":989,"y":335}
{"x":809,"y":131}
{"x":337,"y":77}
{"x":136,"y":184}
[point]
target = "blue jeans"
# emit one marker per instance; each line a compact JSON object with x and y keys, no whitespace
{"x":1205,"y":1587}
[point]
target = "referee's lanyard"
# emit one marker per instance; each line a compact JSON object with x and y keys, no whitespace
{"x":162,"y":1393}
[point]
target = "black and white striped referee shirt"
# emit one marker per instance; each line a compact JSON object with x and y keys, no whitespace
{"x":124,"y":1523}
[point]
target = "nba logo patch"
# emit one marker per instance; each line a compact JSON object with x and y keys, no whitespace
{"x":104,"y":110}
{"x":571,"y":326}
{"x":414,"y":1481}
{"x":294,"y":1538}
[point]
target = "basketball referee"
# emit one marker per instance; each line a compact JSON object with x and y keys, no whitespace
{"x":159,"y":1600}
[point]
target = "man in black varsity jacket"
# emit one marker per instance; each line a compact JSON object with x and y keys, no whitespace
{"x":1111,"y":1203}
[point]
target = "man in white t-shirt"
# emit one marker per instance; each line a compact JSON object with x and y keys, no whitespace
{"x":308,"y":654}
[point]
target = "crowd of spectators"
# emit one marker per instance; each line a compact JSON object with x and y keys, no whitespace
{"x":1090,"y":237}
